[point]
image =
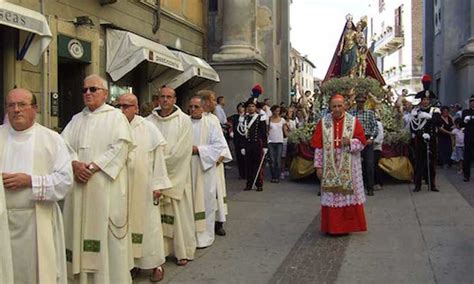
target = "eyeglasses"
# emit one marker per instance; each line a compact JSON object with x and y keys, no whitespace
{"x":194,"y":106}
{"x":20,"y":106}
{"x":91,"y":89}
{"x":123,"y":106}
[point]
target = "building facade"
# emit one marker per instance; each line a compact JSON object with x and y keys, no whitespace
{"x":135,"y":44}
{"x":249,"y":44}
{"x":449,"y":48}
{"x":395,"y":36}
{"x":302,"y":76}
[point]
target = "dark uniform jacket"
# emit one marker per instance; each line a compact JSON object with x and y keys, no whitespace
{"x":257,"y":133}
{"x":469,"y":126}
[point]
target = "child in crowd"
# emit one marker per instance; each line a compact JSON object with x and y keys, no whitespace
{"x":458,"y":153}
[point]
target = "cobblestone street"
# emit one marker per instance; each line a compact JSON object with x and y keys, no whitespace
{"x":273,"y":237}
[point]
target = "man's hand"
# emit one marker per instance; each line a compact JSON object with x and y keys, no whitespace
{"x":369,"y":142}
{"x":346,"y":141}
{"x":220,"y":160}
{"x":242,"y":151}
{"x":467,"y":119}
{"x":195,"y":150}
{"x":156,"y":194}
{"x":81,"y":173}
{"x":319,"y":173}
{"x":16,"y":181}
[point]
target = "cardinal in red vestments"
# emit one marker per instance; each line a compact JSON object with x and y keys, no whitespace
{"x":338,"y":140}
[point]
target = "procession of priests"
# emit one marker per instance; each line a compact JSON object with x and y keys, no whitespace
{"x":114,"y":194}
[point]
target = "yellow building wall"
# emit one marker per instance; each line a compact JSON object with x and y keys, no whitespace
{"x":190,"y":10}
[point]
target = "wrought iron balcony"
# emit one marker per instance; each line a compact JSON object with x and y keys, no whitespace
{"x":389,"y":40}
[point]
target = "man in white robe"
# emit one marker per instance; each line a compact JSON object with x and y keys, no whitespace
{"x":96,"y":215}
{"x":207,"y":148}
{"x":177,"y":214}
{"x":208,"y":100}
{"x":36,"y":173}
{"x":147,"y":178}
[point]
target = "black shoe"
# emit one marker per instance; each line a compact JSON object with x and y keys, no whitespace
{"x":466,"y":179}
{"x":319,"y":193}
{"x":219,"y":229}
{"x":259,"y":188}
{"x":370,"y":192}
{"x":435,"y":189}
{"x":416,"y":189}
{"x":247,"y":188}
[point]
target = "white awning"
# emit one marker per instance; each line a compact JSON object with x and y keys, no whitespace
{"x":126,"y":50}
{"x":196,"y":71}
{"x":34,"y":27}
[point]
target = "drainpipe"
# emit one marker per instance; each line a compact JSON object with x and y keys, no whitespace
{"x":46,"y":121}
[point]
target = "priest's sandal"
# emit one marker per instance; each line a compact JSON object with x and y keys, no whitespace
{"x":158,"y":274}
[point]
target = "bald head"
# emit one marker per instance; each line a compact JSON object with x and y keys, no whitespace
{"x":32,"y":98}
{"x":21,"y":109}
{"x":129,"y":97}
{"x":128,"y":103}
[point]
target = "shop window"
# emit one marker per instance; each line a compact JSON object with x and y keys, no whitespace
{"x":115,"y":91}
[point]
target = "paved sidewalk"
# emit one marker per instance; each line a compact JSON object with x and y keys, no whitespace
{"x":273,"y":237}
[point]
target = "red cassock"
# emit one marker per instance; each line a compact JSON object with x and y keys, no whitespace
{"x":345,"y":219}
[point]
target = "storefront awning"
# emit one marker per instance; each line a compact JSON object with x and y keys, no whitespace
{"x":34,"y":27}
{"x":196,"y":72}
{"x":126,"y":50}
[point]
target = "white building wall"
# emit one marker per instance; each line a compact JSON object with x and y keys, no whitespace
{"x":398,"y":67}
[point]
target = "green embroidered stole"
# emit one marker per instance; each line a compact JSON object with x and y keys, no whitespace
{"x":337,"y":178}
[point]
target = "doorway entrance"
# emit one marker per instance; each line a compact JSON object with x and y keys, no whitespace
{"x":70,"y":77}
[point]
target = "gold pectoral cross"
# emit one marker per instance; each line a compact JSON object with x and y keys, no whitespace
{"x":337,"y":140}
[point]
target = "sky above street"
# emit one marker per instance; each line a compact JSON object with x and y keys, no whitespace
{"x":316,"y":26}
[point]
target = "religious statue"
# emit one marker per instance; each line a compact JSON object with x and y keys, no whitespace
{"x":348,"y":49}
{"x":352,"y":57}
{"x":353,"y":49}
{"x":362,"y":49}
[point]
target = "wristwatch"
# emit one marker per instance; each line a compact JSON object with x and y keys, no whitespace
{"x":92,"y":168}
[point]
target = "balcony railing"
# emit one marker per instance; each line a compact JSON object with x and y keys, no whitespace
{"x":389,"y":40}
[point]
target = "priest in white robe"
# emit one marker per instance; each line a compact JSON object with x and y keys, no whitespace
{"x":96,"y":215}
{"x":36,"y":173}
{"x":209,"y":102}
{"x":177,"y":212}
{"x":207,"y":148}
{"x":148,"y":177}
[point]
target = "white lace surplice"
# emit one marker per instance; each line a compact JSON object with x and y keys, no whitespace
{"x":337,"y":199}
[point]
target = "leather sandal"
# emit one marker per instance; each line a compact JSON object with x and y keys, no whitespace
{"x":158,"y":274}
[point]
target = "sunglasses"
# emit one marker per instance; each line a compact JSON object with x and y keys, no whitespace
{"x":91,"y":89}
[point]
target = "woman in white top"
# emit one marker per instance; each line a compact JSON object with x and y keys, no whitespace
{"x":277,"y":130}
